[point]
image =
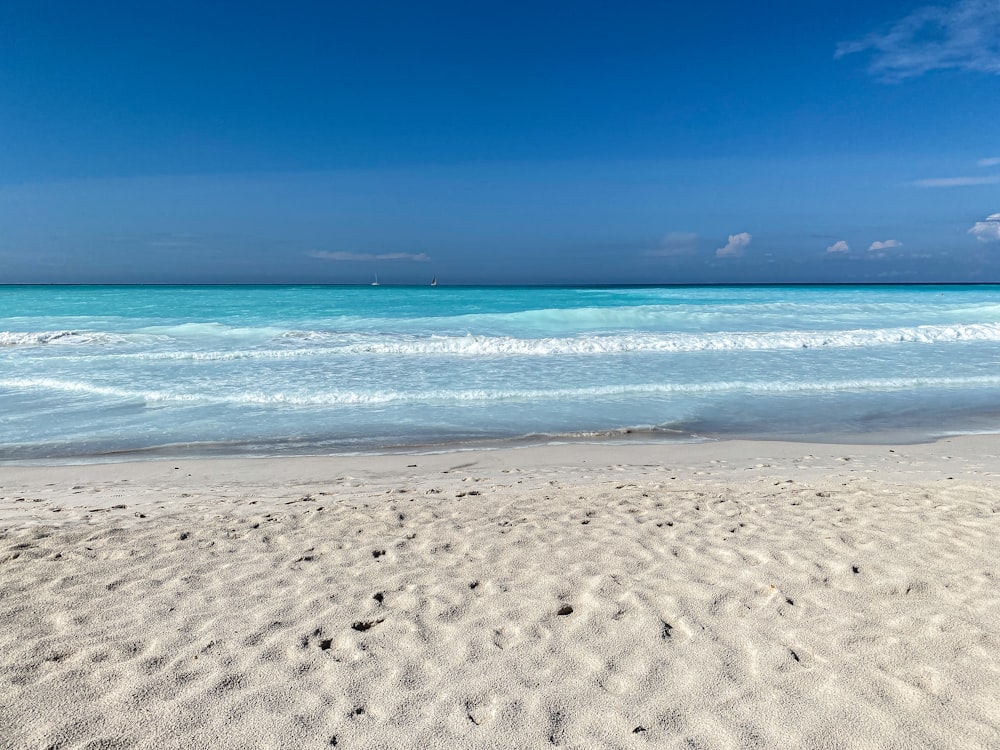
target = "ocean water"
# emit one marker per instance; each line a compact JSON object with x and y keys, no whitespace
{"x":96,"y":372}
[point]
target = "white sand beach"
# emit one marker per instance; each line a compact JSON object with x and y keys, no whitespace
{"x":722,"y":595}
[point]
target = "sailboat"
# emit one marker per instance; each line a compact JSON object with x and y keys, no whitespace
{"x":434,"y":281}
{"x":375,"y":283}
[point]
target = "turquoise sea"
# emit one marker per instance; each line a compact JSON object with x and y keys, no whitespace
{"x":127,"y":371}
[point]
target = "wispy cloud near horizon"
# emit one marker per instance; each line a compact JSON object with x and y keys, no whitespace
{"x":945,"y":182}
{"x":961,"y":36}
{"x":884,"y":245}
{"x":840,"y":246}
{"x":368,"y":257}
{"x":676,"y":243}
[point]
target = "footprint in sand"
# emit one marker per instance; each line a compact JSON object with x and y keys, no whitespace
{"x":364,"y":625}
{"x":481,"y":711}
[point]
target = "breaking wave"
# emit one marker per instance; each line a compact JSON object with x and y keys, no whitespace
{"x":336,"y":343}
{"x":491,"y":395}
{"x":39,"y":338}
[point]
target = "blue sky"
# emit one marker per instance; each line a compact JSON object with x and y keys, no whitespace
{"x":544,"y":142}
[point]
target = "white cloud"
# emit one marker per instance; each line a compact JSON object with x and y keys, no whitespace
{"x":961,"y":36}
{"x":884,"y":244}
{"x":990,"y":161}
{"x":676,"y":243}
{"x":934,"y":182}
{"x":736,"y":245}
{"x":839,"y":247}
{"x":987,"y":231}
{"x":367,"y":257}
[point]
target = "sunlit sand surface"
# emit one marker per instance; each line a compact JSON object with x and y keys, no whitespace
{"x":728,"y":595}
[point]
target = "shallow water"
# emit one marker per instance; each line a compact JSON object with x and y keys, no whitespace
{"x":95,"y":371}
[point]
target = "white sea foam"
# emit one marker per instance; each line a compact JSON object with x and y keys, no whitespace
{"x":490,"y":395}
{"x":680,"y":342}
{"x":38,"y":338}
{"x":338,"y":344}
{"x":83,"y":387}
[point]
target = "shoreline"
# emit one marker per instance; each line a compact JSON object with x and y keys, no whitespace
{"x":67,"y":492}
{"x":725,"y":594}
{"x":631,"y":450}
{"x":626,"y":436}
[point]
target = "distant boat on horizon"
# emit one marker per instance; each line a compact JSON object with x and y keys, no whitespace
{"x":375,"y":283}
{"x":434,"y":281}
